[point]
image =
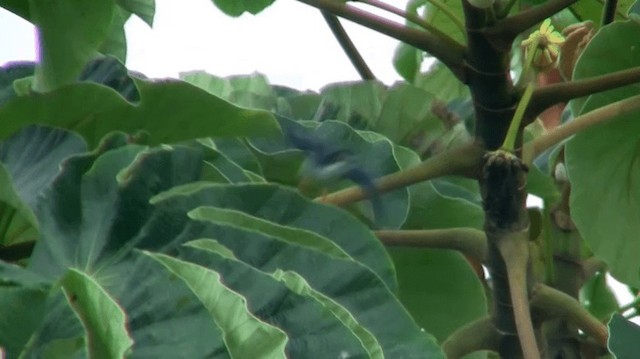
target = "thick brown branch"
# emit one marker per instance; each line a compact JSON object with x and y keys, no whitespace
{"x":475,"y":336}
{"x":505,"y":31}
{"x":450,"y":55}
{"x":348,"y":46}
{"x":462,"y":161}
{"x":548,"y":96}
{"x":469,"y":241}
{"x":554,"y":303}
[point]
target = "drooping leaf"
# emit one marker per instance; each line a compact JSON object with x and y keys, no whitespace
{"x":245,"y":336}
{"x":329,"y":275}
{"x":70,"y":33}
{"x":102,"y":318}
{"x":144,"y":9}
{"x":608,"y":155}
{"x":169,"y":111}
{"x":281,"y":303}
{"x":624,"y":338}
{"x":238,"y":7}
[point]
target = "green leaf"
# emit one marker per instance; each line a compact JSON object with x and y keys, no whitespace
{"x":18,"y":7}
{"x":603,"y":162}
{"x":624,"y":338}
{"x":345,"y":281}
{"x":144,"y":9}
{"x":249,"y":91}
{"x":281,"y":302}
{"x":355,"y":103}
{"x":22,"y":300}
{"x":300,"y":237}
{"x":297,"y":283}
{"x":598,"y":298}
{"x":245,"y":335}
{"x":102,"y":318}
{"x":437,"y":17}
{"x":17,"y":221}
{"x":115,"y":43}
{"x":407,"y":61}
{"x":70,"y":34}
{"x":441,"y":82}
{"x":238,"y":7}
{"x":169,"y":111}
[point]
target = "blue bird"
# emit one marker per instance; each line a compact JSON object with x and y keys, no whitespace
{"x":327,"y":162}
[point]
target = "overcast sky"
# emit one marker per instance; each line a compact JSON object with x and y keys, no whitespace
{"x":289,"y":42}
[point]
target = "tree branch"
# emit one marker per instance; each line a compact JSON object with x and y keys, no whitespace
{"x":505,"y":31}
{"x":411,"y":18}
{"x":550,"y":95}
{"x":449,"y":54}
{"x":348,"y":46}
{"x":469,"y":241}
{"x":601,"y":115}
{"x":553,"y":303}
{"x":475,"y":336}
{"x":463,"y":161}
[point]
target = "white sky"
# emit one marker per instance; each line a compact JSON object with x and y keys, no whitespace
{"x":289,"y":42}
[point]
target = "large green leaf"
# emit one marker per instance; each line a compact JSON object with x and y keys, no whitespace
{"x":407,"y":61}
{"x":115,"y":43}
{"x":98,"y":211}
{"x":70,"y":33}
{"x":285,"y":207}
{"x":102,"y":318}
{"x":169,"y":111}
{"x":245,"y":336}
{"x":608,"y":155}
{"x":9,"y":73}
{"x":624,"y":338}
{"x":441,"y":82}
{"x":280,"y":301}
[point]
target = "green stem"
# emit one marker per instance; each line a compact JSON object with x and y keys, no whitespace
{"x":469,"y":241}
{"x":514,"y":127}
{"x":348,"y":46}
{"x":514,"y":249}
{"x":554,"y":303}
{"x":411,"y":18}
{"x":452,"y":55}
{"x":473,"y":337}
{"x":601,"y":115}
{"x":462,"y":161}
